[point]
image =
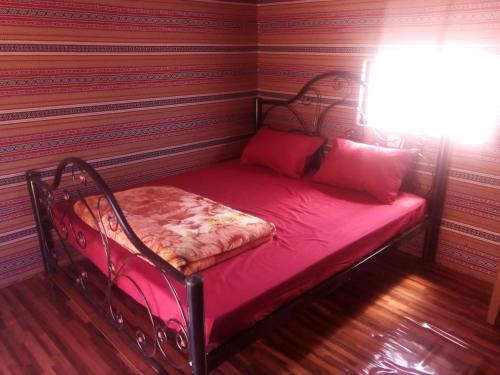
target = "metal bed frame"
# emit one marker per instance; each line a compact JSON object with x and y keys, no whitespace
{"x":187,"y":335}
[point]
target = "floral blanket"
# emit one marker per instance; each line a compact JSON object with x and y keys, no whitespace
{"x":188,"y":231}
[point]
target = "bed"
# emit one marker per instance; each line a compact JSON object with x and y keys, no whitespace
{"x":323,"y":235}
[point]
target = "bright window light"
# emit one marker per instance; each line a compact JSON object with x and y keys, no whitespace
{"x":449,"y":90}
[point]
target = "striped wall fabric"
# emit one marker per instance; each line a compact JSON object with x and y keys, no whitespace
{"x":147,"y":89}
{"x":298,"y":39}
{"x":140,"y":89}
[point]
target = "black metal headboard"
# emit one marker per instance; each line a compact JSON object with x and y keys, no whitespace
{"x":314,"y":110}
{"x":309,"y":109}
{"x":336,"y":89}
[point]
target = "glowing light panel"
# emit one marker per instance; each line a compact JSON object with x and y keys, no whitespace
{"x":449,"y":90}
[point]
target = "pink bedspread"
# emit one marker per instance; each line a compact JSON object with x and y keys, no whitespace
{"x":320,"y":230}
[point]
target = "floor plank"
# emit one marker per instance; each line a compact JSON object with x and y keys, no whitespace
{"x":400,"y":317}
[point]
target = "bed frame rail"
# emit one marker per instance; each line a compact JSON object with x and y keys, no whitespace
{"x":272,"y":322}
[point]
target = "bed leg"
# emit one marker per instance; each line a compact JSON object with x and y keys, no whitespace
{"x":439,"y":186}
{"x":430,"y":243}
{"x":195,"y":297}
{"x":31,"y":178}
{"x":258,"y":113}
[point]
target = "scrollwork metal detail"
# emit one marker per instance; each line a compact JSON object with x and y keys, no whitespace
{"x":140,"y":339}
{"x":112,"y":222}
{"x":342,"y":86}
{"x":117,"y":317}
{"x":58,"y":203}
{"x":159,"y":337}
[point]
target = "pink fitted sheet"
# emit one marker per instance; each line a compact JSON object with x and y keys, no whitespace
{"x":320,"y":230}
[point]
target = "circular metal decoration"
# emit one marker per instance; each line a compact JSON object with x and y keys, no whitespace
{"x":140,"y":339}
{"x":118,"y":319}
{"x":182,"y":341}
{"x":112,"y":222}
{"x":181,"y":337}
{"x":161,"y":334}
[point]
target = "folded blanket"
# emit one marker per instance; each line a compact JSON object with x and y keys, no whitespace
{"x":188,"y":231}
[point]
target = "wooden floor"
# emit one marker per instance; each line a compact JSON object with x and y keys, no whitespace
{"x":403,"y":318}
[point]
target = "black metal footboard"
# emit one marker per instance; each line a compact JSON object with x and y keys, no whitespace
{"x":57,"y":234}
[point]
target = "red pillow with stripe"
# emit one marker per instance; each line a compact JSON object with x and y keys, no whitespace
{"x":376,"y":170}
{"x":286,"y":153}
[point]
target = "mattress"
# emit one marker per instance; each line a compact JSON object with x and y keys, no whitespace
{"x":320,"y":230}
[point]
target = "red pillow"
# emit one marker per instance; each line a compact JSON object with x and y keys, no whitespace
{"x":376,"y":170}
{"x":287,"y":153}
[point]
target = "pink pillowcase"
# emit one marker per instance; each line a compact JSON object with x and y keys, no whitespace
{"x":376,"y":170}
{"x":284,"y":152}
